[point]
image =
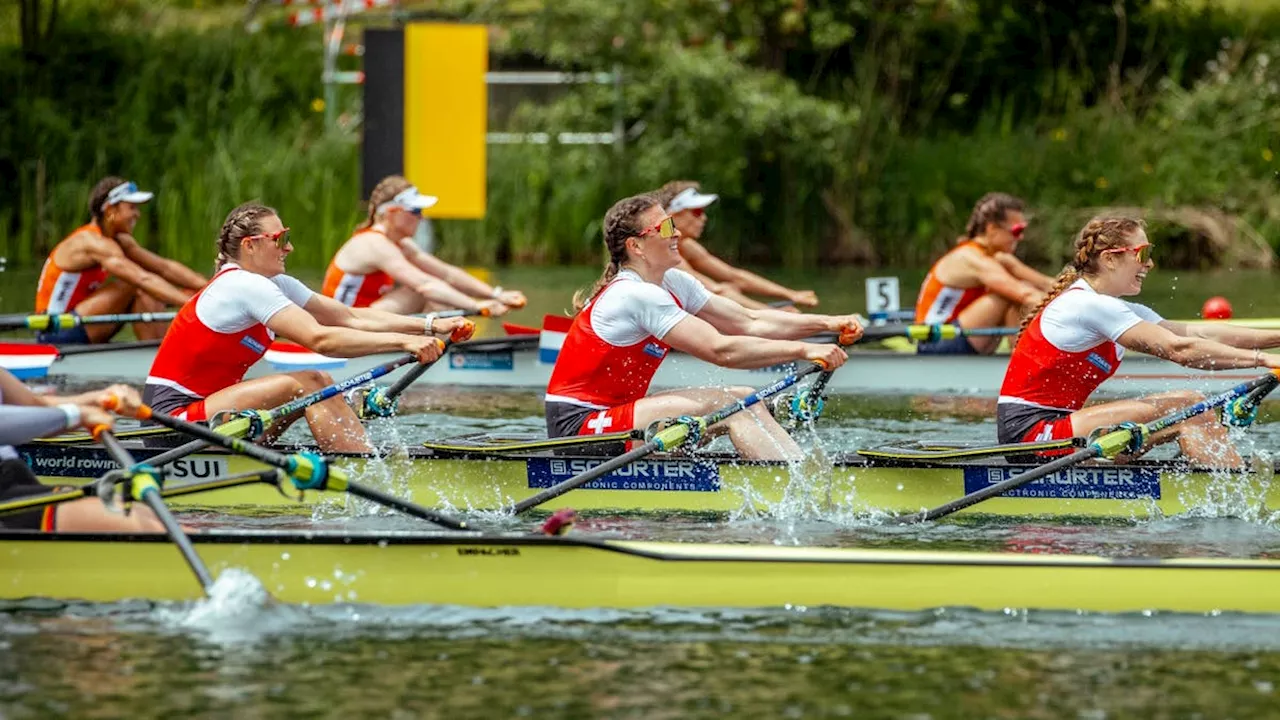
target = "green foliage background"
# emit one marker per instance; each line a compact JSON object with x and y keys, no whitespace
{"x":834,"y":131}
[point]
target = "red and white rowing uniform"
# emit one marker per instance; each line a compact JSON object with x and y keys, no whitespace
{"x":218,"y":334}
{"x":1067,"y":351}
{"x":60,"y":291}
{"x":613,"y":349}
{"x":940,"y":303}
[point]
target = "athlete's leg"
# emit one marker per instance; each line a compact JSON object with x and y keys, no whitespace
{"x":90,"y":515}
{"x":754,"y":432}
{"x":333,"y":423}
{"x":112,"y":298}
{"x":144,"y":303}
{"x":1203,"y":439}
{"x":990,"y":310}
{"x":402,"y":300}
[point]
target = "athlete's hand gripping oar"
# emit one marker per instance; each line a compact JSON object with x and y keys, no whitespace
{"x":807,"y":404}
{"x":308,"y":471}
{"x":66,"y":321}
{"x":1127,"y":437}
{"x":382,"y":402}
{"x":144,"y":485}
{"x":682,"y":430}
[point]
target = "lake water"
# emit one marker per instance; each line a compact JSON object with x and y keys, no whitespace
{"x":240,"y":660}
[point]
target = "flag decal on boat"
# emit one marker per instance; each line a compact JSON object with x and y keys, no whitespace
{"x":290,"y":356}
{"x":551,"y":339}
{"x":27,"y":361}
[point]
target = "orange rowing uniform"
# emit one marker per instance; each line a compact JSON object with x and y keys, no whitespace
{"x":939,"y":303}
{"x":61,"y":291}
{"x":355,"y":290}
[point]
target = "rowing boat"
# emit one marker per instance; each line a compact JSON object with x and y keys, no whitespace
{"x":493,"y":571}
{"x":485,"y":473}
{"x":520,"y":363}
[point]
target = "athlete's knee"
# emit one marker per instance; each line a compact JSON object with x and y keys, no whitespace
{"x":314,"y":379}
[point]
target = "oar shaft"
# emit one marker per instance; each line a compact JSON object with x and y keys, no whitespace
{"x":340,"y":387}
{"x":404,"y":506}
{"x":764,"y":392}
{"x":257,"y":452}
{"x":66,"y":321}
{"x":598,"y":471}
{"x":409,"y":378}
{"x":144,"y":487}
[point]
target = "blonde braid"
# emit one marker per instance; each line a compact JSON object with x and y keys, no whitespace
{"x":1099,"y":234}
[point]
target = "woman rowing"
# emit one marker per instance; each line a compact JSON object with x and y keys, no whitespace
{"x":223,"y":330}
{"x":980,"y":283}
{"x":381,"y":267}
{"x":1074,"y":340}
{"x":641,"y":307}
{"x":74,"y":277}
{"x":25,"y":416}
{"x":687,"y":205}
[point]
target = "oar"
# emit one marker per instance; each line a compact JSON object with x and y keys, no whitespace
{"x":383,"y":402}
{"x":932,"y":333}
{"x":807,"y":404}
{"x":683,"y":429}
{"x":144,"y":485}
{"x":309,"y":471}
{"x":1127,"y":437}
{"x":66,"y":321}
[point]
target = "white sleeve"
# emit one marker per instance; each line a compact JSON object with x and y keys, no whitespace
{"x":238,"y":300}
{"x":692,"y":294}
{"x":629,"y":311}
{"x":1111,"y":317}
{"x":1145,"y":312}
{"x":298,"y":293}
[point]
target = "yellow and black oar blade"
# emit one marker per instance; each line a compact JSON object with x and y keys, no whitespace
{"x":144,"y":485}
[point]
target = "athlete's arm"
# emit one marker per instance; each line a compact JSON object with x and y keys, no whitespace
{"x":734,"y":319}
{"x":395,"y":264}
{"x":1190,"y":351}
{"x":700,"y":339}
{"x":331,"y":312}
{"x":1233,"y":335}
{"x":1025,"y":272}
{"x":457,"y":277}
{"x":995,"y":278}
{"x":171,"y":270}
{"x":745,"y":281}
{"x":300,"y":326}
{"x":108,"y":254}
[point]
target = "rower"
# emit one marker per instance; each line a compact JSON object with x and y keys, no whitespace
{"x":980,"y":283}
{"x":226,"y":327}
{"x":381,"y":267}
{"x":642,"y":306}
{"x":74,"y":277}
{"x":1074,"y":340}
{"x":686,"y":205}
{"x":25,"y":416}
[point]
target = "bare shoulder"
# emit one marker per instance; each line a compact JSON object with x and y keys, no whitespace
{"x":963,"y":267}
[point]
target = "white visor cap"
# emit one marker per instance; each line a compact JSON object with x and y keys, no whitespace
{"x":690,"y":199}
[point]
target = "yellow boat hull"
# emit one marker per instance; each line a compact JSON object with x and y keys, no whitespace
{"x":488,"y":571}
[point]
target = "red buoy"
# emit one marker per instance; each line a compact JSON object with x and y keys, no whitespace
{"x":1216,"y":308}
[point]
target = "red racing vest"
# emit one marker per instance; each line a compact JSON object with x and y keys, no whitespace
{"x":1042,"y":374}
{"x":200,"y":361}
{"x":596,"y":374}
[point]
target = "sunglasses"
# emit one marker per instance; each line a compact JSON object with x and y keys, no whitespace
{"x":1017,"y":230}
{"x":666,"y":229}
{"x":1143,"y":251}
{"x":280,"y":237}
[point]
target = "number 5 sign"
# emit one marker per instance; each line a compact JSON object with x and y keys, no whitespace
{"x":882,"y":295}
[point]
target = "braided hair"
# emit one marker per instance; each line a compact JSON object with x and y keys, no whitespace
{"x":620,"y":224}
{"x":1099,"y":234}
{"x":242,"y":222}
